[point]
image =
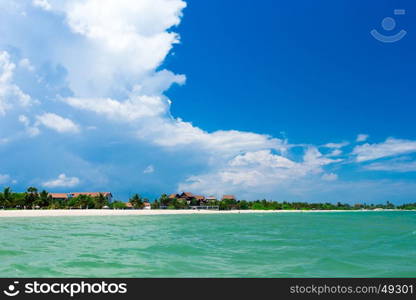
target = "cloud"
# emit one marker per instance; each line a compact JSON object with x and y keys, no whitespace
{"x":129,"y":40}
{"x":26,"y":64}
{"x":10,"y":94}
{"x":122,"y":43}
{"x":330,"y":177}
{"x":24,"y":120}
{"x":391,"y":147}
{"x":4,"y":178}
{"x":44,"y":4}
{"x":132,"y":109}
{"x":335,"y":152}
{"x":401,"y":165}
{"x":32,"y":131}
{"x":262,"y":158}
{"x":57,"y":123}
{"x":175,"y":133}
{"x":150,"y":169}
{"x":62,"y":181}
{"x":362,"y":138}
{"x":261,"y":170}
{"x":336,"y":145}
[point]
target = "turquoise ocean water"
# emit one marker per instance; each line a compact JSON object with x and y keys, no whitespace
{"x":356,"y":244}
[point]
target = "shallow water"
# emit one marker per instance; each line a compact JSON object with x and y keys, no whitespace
{"x":356,"y":244}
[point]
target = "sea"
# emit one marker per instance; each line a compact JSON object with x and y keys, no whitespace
{"x":338,"y":244}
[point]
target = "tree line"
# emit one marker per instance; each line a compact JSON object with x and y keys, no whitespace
{"x":33,"y":199}
{"x":230,"y":204}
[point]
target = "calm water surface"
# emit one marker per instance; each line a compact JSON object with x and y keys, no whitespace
{"x":356,"y":244}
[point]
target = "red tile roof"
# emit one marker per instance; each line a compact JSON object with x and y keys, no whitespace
{"x":187,"y":194}
{"x":93,"y":194}
{"x":58,"y":195}
{"x":65,"y":195}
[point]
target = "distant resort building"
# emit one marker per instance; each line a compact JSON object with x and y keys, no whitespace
{"x":211,"y":198}
{"x":189,"y":198}
{"x":67,"y":196}
{"x":228,"y":197}
{"x":59,"y":196}
{"x":201,"y":200}
{"x":192,"y":200}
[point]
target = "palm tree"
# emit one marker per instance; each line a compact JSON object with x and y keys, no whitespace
{"x":31,"y":196}
{"x":100,"y":201}
{"x":6,"y":198}
{"x":84,"y":201}
{"x":136,"y":201}
{"x":2,"y":201}
{"x":164,"y":200}
{"x":44,"y":199}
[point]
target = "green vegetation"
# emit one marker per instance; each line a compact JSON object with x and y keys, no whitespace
{"x":137,"y":201}
{"x":33,"y":199}
{"x":118,"y":205}
{"x":229,"y":204}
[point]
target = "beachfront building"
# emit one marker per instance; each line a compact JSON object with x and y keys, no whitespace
{"x":192,"y":199}
{"x":201,"y":199}
{"x":59,"y":196}
{"x":228,"y":197}
{"x":147,"y":206}
{"x":188,"y":198}
{"x":107,"y":195}
{"x":67,"y":196}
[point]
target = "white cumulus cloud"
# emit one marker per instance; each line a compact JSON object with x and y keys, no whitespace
{"x":336,"y":145}
{"x":31,"y":130}
{"x":329,"y":177}
{"x":10,"y":94}
{"x":123,"y":42}
{"x":132,"y":109}
{"x":391,"y":147}
{"x":401,"y":165}
{"x":257,"y":170}
{"x":62,"y":181}
{"x":57,"y":123}
{"x":150,"y":169}
{"x":362,"y":138}
{"x":4,"y":178}
{"x":44,"y":4}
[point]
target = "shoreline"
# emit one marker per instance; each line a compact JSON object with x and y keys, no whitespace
{"x":119,"y":212}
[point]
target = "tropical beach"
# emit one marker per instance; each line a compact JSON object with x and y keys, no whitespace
{"x":33,"y":203}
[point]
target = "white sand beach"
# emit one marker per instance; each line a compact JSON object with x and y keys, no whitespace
{"x":120,"y":212}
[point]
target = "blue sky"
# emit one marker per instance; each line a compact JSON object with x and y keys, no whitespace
{"x":285,"y":101}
